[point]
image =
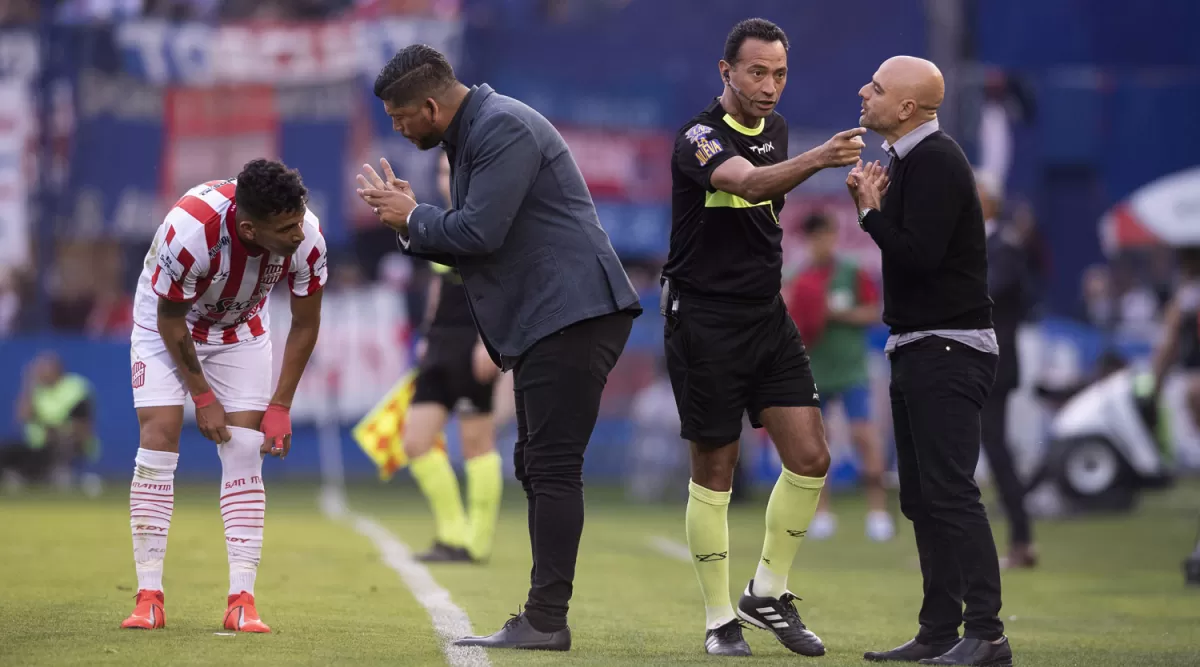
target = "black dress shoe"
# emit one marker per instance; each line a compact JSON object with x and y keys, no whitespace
{"x":981,"y":652}
{"x":911,"y":651}
{"x":519,"y":633}
{"x":441,"y":552}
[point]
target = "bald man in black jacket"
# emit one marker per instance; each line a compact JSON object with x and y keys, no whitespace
{"x":943,"y":350}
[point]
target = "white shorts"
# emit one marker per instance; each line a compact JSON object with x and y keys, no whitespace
{"x":240,"y":373}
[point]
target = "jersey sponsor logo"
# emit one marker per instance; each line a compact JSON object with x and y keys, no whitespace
{"x":763,"y":149}
{"x":167,"y":263}
{"x":706,"y":148}
{"x":216,"y":250}
{"x":139,"y":374}
{"x":231,"y":304}
{"x":697,"y":132}
{"x":217,"y":186}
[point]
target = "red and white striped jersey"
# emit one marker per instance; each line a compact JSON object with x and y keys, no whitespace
{"x":197,"y":256}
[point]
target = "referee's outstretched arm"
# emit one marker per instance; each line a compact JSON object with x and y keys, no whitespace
{"x":758,"y":184}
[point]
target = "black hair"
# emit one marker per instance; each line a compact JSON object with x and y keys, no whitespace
{"x":417,"y":72}
{"x":760,"y":29}
{"x":266,"y":188}
{"x":819,"y":221}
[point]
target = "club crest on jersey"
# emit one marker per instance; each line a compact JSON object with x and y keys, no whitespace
{"x":272,"y":273}
{"x":706,"y":148}
{"x":697,"y":132}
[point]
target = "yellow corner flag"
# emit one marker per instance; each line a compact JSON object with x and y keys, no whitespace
{"x":381,"y":432}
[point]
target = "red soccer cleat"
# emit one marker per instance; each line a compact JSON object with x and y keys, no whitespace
{"x":241,"y":616}
{"x":148,"y":614}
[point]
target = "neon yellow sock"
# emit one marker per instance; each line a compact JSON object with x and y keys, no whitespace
{"x":436,"y":479}
{"x":485,"y":485}
{"x":791,"y":508}
{"x":708,"y":541}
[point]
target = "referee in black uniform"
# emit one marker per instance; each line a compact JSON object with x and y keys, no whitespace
{"x":731,"y":346}
{"x":454,"y":375}
{"x":943,"y":350}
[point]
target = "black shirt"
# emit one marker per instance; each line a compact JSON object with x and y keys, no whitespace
{"x":453,"y":310}
{"x":721,"y":245}
{"x":931,"y":237}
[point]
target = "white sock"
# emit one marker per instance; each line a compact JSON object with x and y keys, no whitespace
{"x":767,"y":584}
{"x":243,"y":505}
{"x":151,"y":503}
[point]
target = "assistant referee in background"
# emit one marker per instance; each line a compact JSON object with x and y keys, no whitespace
{"x":943,"y":351}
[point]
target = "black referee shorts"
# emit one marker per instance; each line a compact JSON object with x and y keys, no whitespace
{"x":727,"y":359}
{"x":445,"y":374}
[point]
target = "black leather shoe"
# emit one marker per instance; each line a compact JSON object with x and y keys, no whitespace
{"x":911,"y":651}
{"x":520,"y":634}
{"x":441,"y":552}
{"x":981,"y":652}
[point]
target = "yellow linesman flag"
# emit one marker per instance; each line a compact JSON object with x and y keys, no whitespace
{"x":381,"y":432}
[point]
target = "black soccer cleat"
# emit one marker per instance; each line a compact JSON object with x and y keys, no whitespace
{"x":779,"y":616}
{"x":441,"y":552}
{"x":727,"y":640}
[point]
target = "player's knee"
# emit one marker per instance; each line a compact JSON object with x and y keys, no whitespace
{"x":159,"y":429}
{"x":713,"y":468}
{"x":814,"y":463}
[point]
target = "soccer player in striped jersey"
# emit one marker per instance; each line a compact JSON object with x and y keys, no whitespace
{"x":201,"y":329}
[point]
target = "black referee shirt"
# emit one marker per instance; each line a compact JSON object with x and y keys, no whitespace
{"x":453,"y":311}
{"x":722,"y":246}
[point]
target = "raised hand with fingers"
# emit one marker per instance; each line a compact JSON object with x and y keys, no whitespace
{"x":390,"y":198}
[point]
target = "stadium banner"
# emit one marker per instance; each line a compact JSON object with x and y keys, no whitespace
{"x":16,"y":137}
{"x":274,"y":53}
{"x":628,"y":165}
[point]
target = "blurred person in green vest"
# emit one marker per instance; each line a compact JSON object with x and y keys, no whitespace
{"x":55,"y":410}
{"x":834,"y":303}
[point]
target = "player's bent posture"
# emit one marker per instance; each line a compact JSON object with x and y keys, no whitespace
{"x":201,"y":330}
{"x":455,"y":373}
{"x":731,"y":346}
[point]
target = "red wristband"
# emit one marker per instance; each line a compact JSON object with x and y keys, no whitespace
{"x":206,"y":399}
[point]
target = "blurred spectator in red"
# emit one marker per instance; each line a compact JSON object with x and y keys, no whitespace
{"x":834,"y":303}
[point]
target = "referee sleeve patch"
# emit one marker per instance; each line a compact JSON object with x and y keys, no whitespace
{"x":706,"y":148}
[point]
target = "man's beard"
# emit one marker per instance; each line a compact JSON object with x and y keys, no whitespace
{"x":429,"y":141}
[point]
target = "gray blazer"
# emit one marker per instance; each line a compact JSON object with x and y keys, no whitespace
{"x":522,"y":230}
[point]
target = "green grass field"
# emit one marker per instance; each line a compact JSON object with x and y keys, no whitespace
{"x":1110,"y":591}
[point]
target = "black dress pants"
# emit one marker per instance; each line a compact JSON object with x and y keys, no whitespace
{"x":557,"y":385}
{"x":1004,"y":473}
{"x":938,"y":389}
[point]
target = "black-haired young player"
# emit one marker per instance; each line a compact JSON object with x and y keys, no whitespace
{"x":201,"y":330}
{"x":731,"y":346}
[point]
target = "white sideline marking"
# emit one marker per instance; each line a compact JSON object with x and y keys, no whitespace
{"x":670,"y":548}
{"x":449,"y":621}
